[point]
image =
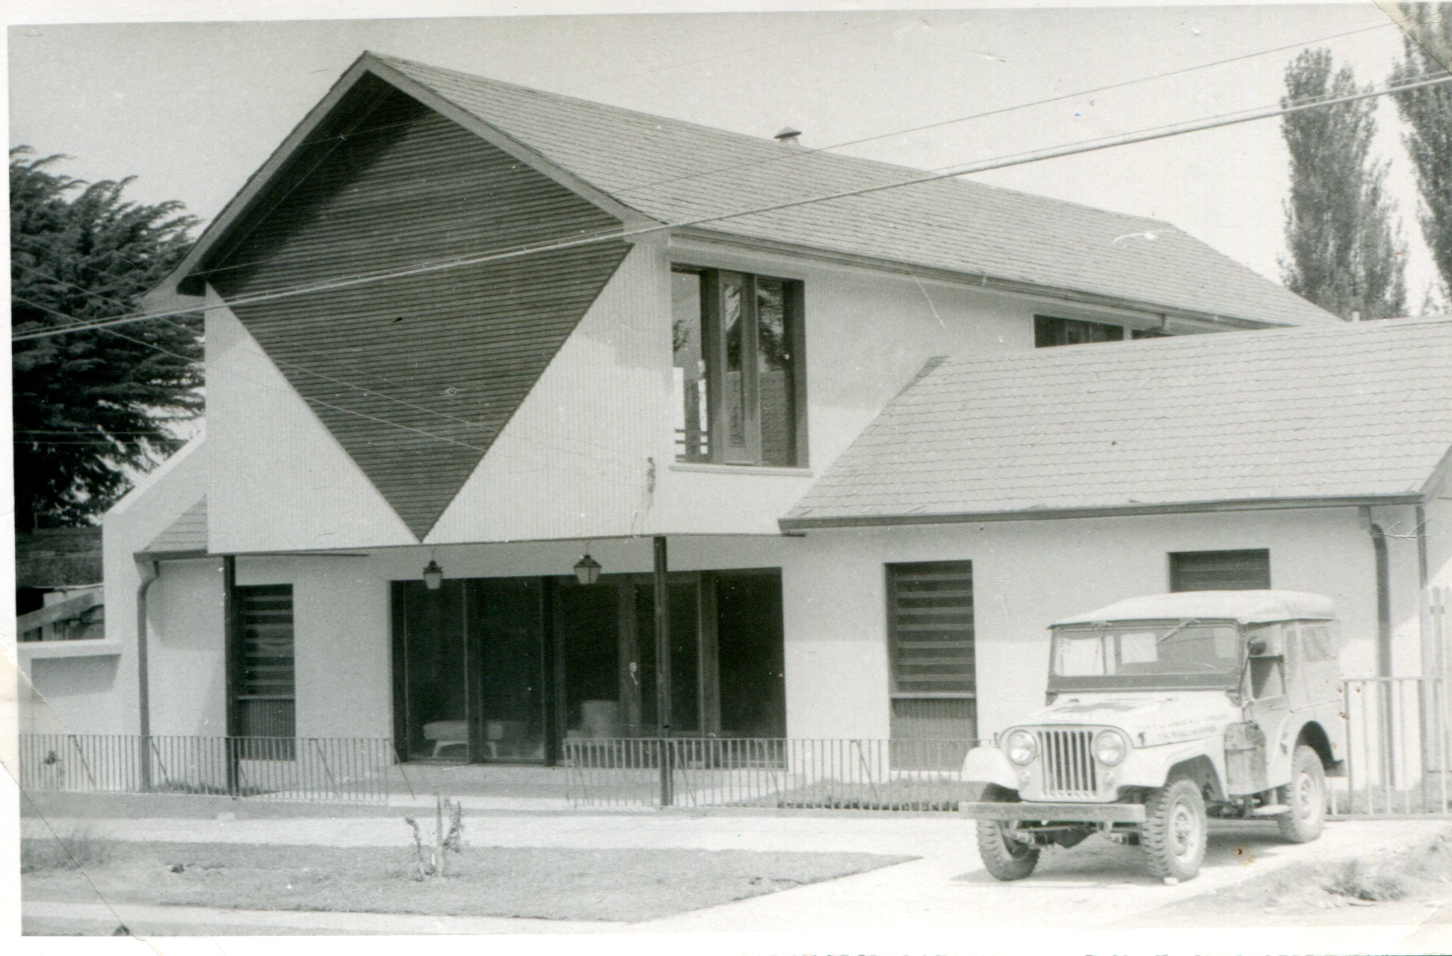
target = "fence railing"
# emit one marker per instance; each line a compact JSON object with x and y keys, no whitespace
{"x":337,"y":769}
{"x":799,"y":774}
{"x":1399,"y":747}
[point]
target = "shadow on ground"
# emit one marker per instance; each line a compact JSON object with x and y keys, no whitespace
{"x":1097,"y":862}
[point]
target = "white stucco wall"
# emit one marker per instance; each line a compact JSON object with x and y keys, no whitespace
{"x":185,"y":649}
{"x":146,"y":511}
{"x":1028,"y":574}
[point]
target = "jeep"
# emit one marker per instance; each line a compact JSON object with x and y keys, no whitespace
{"x":1163,"y":711}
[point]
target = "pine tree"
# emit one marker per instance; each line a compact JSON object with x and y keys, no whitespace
{"x":1343,"y":253}
{"x":88,"y":404}
{"x":1428,"y":114}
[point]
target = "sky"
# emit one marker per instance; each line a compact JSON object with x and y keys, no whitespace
{"x":192,"y":108}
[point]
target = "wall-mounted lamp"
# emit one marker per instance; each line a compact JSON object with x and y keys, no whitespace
{"x":587,"y":569}
{"x":433,"y":575}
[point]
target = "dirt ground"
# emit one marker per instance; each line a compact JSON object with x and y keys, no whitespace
{"x":541,"y":883}
{"x":1396,"y":885}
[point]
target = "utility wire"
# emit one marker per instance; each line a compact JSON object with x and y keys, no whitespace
{"x":366,"y":389}
{"x":1071,"y":149}
{"x":798,"y":153}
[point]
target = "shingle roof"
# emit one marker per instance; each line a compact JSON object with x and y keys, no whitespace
{"x":673,"y":171}
{"x":1352,"y":412}
{"x":186,"y":535}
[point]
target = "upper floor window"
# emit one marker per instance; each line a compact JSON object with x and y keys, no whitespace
{"x":738,"y":368}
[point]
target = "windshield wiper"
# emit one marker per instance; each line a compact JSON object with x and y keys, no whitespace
{"x":1175,"y":630}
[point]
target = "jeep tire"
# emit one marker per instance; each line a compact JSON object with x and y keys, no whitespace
{"x":1004,"y":857}
{"x":1306,"y":796}
{"x":1173,"y":834}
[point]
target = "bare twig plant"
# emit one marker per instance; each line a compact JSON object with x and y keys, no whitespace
{"x":430,"y":860}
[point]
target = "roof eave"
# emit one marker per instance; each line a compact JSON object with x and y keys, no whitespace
{"x":808,"y":523}
{"x":1151,"y":311}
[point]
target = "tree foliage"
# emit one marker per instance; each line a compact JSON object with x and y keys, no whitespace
{"x":1428,"y":115}
{"x":1343,"y":252}
{"x":89,"y":404}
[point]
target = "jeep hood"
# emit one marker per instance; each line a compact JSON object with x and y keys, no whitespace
{"x":1148,"y":719}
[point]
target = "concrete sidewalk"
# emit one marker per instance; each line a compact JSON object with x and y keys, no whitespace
{"x":945,"y":889}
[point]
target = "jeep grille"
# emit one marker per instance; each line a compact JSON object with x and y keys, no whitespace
{"x":1068,"y":763}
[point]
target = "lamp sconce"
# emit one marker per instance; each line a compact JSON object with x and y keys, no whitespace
{"x":587,"y":569}
{"x":433,"y":575}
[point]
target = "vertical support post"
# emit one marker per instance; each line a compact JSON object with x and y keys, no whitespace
{"x":663,"y":667}
{"x":629,"y":656}
{"x":557,"y":713}
{"x":708,"y":655}
{"x":233,"y":640}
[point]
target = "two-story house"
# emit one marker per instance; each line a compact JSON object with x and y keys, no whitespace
{"x":461,"y":335}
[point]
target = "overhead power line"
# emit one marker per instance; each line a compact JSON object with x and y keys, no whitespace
{"x":1070,"y":149}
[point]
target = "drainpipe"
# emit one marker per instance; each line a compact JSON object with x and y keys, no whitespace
{"x":1383,"y":642}
{"x":1433,"y":654}
{"x":150,"y":572}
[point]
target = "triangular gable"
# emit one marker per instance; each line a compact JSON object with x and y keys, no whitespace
{"x":416,"y":374}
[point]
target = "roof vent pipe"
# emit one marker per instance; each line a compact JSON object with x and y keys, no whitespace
{"x":788,"y":136}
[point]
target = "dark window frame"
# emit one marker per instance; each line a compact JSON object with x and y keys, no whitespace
{"x":1179,"y":561}
{"x":1050,"y":331}
{"x":714,"y":351}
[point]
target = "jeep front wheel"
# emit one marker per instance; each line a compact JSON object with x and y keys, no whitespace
{"x":1306,"y":796}
{"x":1004,"y":857}
{"x":1174,"y":830}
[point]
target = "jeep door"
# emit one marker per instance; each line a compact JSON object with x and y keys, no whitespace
{"x":1269,"y":699}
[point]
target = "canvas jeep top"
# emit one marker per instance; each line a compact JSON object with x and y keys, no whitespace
{"x":1164,"y":710}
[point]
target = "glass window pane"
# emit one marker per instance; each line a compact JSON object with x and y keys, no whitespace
{"x":689,"y":376}
{"x":735,"y":378}
{"x":774,"y":364}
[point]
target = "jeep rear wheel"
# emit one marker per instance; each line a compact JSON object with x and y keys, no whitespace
{"x":1174,"y":830}
{"x":1004,"y":857}
{"x":1306,"y":796}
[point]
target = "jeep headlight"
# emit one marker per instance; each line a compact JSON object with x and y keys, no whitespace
{"x":1021,"y":747}
{"x":1110,"y":747}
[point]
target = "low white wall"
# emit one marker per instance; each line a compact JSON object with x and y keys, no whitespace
{"x":1027,"y":574}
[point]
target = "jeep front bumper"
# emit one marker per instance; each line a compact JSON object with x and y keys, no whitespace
{"x":1055,"y":812}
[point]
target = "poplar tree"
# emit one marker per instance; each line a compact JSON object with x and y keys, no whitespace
{"x":89,"y":405}
{"x":1428,"y":114}
{"x":1343,"y":252}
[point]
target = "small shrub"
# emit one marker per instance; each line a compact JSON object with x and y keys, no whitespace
{"x":1363,"y":880}
{"x":76,"y":851}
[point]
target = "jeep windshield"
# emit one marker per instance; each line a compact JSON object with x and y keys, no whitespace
{"x":1145,"y":656}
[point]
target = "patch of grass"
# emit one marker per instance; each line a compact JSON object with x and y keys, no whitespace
{"x":539,"y":883}
{"x":77,"y":851}
{"x":1372,"y":880}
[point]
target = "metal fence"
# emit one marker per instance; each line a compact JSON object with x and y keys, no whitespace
{"x":798,"y":774}
{"x":1399,"y":747}
{"x":337,"y":769}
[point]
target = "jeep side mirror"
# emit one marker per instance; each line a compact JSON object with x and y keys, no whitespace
{"x":1257,"y":647}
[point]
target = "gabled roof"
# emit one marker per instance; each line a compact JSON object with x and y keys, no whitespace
{"x":673,"y":172}
{"x":1354,"y":414}
{"x":186,"y":535}
{"x":1247,"y":607}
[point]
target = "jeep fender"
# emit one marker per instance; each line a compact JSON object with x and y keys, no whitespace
{"x":989,"y":765}
{"x":1150,"y":766}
